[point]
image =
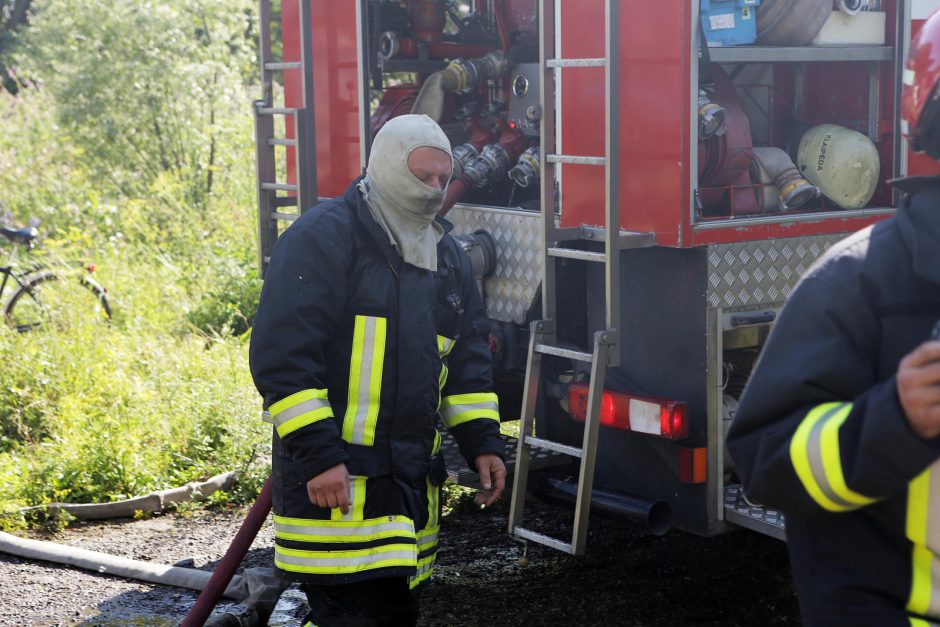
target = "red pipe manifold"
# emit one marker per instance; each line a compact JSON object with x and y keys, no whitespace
{"x":492,"y":165}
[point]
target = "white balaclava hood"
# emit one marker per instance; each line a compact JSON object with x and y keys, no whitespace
{"x":404,"y":205}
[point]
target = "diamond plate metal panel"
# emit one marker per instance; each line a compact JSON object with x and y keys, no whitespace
{"x":518,"y":235}
{"x":761,"y":273}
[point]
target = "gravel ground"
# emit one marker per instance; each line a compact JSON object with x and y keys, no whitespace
{"x":627,"y":578}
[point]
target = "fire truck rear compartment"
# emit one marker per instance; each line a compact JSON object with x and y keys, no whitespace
{"x":712,"y":171}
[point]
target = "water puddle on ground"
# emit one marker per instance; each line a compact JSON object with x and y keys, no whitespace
{"x":128,"y":621}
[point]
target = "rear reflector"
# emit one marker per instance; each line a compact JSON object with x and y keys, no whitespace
{"x":631,"y":412}
{"x":693,"y":465}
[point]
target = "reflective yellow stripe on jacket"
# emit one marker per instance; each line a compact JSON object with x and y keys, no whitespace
{"x":357,"y":500}
{"x":460,"y":408}
{"x":365,"y":380}
{"x":344,"y":562}
{"x":298,"y":410}
{"x":340,"y":531}
{"x":923,"y":530}
{"x":427,"y":537}
{"x":814,"y":451}
{"x":392,"y":538}
{"x":445,"y":345}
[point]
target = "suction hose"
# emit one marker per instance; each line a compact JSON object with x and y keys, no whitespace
{"x":850,"y":7}
{"x":150,"y":503}
{"x":460,"y":77}
{"x":791,"y":188}
{"x":223,"y":573}
{"x":791,"y":22}
{"x":119,"y":566}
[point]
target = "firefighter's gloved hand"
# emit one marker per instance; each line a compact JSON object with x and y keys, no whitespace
{"x":919,"y":388}
{"x":492,"y":478}
{"x":330,"y":488}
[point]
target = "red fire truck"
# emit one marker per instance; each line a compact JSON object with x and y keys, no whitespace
{"x":640,"y":184}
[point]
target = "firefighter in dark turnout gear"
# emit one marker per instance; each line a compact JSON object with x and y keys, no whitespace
{"x":369,"y":325}
{"x":839,"y":426}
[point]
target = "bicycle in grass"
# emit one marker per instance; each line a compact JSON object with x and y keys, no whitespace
{"x":47,"y":293}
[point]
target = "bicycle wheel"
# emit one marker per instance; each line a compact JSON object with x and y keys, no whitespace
{"x":53,"y":298}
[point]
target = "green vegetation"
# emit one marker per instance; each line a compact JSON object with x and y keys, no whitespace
{"x":132,"y":144}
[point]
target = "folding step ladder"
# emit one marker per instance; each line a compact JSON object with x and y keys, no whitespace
{"x":543,"y":338}
{"x":304,"y":191}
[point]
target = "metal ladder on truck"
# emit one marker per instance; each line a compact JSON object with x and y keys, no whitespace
{"x":302,"y":193}
{"x":543,"y":337}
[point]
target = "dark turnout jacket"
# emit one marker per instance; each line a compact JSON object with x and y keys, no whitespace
{"x":355,"y":352}
{"x":820,"y":433}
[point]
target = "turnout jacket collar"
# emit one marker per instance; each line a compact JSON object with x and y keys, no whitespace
{"x":919,"y":225}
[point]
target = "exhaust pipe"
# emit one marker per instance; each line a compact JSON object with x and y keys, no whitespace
{"x":652,"y":516}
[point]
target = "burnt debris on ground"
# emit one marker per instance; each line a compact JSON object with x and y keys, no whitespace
{"x":626,"y":578}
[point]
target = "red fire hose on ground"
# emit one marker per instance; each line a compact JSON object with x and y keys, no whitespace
{"x":223,"y":573}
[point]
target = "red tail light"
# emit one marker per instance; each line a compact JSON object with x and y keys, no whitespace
{"x":631,"y":412}
{"x":673,"y":420}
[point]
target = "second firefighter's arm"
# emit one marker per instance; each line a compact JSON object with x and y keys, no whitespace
{"x":815,"y":429}
{"x":469,"y":407}
{"x":301,"y":303}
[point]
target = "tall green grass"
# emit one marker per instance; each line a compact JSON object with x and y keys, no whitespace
{"x":94,"y":411}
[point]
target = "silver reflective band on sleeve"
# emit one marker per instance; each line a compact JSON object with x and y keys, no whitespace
{"x":456,"y":410}
{"x":815,"y":448}
{"x":460,"y":408}
{"x":299,"y":410}
{"x":817,"y":459}
{"x":314,"y":404}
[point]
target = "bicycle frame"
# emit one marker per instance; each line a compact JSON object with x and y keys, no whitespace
{"x":9,"y":271}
